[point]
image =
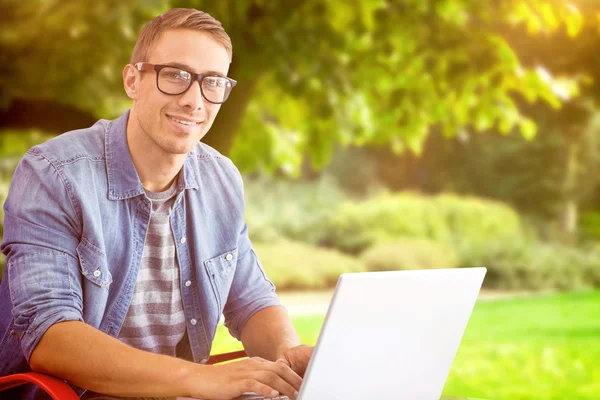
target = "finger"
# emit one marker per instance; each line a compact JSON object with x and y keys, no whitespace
{"x":261,"y":388}
{"x":284,"y":361}
{"x":287,"y":374}
{"x":258,"y":359}
{"x":275,"y":381}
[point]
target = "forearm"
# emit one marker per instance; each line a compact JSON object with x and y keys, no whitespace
{"x":96,"y":361}
{"x":269,"y":333}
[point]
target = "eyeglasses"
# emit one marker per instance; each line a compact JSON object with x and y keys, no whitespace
{"x":174,"y":80}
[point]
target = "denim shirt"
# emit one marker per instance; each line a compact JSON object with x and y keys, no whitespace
{"x":75,"y":222}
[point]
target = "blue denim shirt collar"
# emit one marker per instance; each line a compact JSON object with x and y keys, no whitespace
{"x":123,"y":180}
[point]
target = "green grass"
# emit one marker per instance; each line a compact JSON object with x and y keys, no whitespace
{"x":545,"y":347}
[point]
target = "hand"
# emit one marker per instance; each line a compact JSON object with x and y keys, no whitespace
{"x":297,"y":358}
{"x":224,"y":382}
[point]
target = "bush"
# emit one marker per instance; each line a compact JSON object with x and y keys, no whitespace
{"x":555,"y":267}
{"x":409,"y":254}
{"x":476,"y":222}
{"x":448,"y":219}
{"x":592,"y":268}
{"x":498,"y":257}
{"x":292,"y":265}
{"x":538,"y":266}
{"x":276,"y":209}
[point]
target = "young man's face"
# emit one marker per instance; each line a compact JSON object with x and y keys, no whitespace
{"x":156,"y":112}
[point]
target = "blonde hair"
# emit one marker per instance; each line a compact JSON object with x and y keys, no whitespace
{"x":178,"y":18}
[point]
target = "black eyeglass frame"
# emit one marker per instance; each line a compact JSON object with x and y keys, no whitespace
{"x":144,"y":66}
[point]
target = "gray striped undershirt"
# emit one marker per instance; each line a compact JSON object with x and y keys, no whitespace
{"x":155,"y":320}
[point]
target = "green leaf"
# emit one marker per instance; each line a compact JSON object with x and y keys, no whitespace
{"x":528,"y":128}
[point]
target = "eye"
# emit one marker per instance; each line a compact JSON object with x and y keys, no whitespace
{"x":175,"y":74}
{"x":212,"y":81}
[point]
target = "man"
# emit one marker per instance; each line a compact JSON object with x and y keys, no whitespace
{"x":125,"y":242}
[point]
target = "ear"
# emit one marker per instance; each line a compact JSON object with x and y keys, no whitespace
{"x":131,"y":81}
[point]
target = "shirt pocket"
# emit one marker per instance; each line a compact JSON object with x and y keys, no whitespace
{"x":221,"y":270}
{"x":94,"y":266}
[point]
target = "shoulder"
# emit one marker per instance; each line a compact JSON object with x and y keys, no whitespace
{"x":204,"y":158}
{"x":74,"y":145}
{"x":202,"y":151}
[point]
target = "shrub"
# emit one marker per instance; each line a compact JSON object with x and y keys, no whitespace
{"x":500,"y":258}
{"x":408,"y":254}
{"x":542,"y":266}
{"x":476,"y":222}
{"x":556,"y":267}
{"x":448,"y":219}
{"x":293,"y":265}
{"x":276,"y":208}
{"x":592,"y":268}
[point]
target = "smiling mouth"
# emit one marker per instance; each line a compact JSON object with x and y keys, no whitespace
{"x":184,"y":122}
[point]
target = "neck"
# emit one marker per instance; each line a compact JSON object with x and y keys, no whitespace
{"x":156,"y":168}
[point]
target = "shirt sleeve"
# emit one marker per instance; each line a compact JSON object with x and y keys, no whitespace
{"x":251,"y":290}
{"x":39,"y":241}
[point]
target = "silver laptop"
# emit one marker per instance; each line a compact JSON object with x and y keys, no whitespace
{"x":391,"y":335}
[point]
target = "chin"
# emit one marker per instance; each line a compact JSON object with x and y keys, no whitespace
{"x":180,"y":150}
{"x":179,"y":145}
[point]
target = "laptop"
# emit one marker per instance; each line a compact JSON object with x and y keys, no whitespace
{"x":390,"y":335}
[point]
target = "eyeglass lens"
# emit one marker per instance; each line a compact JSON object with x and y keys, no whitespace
{"x":175,"y":81}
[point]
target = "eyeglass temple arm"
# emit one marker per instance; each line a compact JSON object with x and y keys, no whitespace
{"x":142,"y":66}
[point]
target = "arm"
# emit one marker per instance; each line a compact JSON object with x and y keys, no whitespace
{"x":94,"y":360}
{"x":113,"y":368}
{"x":269,"y":334}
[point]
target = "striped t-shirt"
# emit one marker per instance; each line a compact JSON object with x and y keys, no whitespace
{"x":155,"y":320}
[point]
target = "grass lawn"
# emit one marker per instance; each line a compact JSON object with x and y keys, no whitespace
{"x":545,"y":347}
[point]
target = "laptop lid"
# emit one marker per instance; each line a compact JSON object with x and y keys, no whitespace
{"x":391,"y":335}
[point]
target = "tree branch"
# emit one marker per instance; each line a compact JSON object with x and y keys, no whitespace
{"x":46,"y":115}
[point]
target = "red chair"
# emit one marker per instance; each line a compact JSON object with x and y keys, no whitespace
{"x":59,"y":390}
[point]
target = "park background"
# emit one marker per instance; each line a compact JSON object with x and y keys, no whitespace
{"x":380,"y":135}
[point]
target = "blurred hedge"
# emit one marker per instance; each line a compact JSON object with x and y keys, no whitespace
{"x":297,"y":211}
{"x":408,"y":230}
{"x":292,"y":265}
{"x":408,"y":254}
{"x":460,"y":222}
{"x":319,"y":213}
{"x":535,"y":266}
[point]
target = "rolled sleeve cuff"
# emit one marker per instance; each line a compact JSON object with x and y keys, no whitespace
{"x":236,"y":323}
{"x":38,"y":327}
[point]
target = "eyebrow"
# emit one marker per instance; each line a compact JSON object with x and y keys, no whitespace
{"x":189,"y":68}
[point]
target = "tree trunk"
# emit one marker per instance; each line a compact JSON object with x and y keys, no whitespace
{"x":568,"y":214}
{"x":222,"y":134}
{"x":46,"y":115}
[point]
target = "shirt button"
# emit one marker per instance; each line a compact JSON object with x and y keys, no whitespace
{"x":188,"y":283}
{"x":229,"y":257}
{"x":97,"y":273}
{"x":179,"y":200}
{"x":183,"y":239}
{"x":193,"y":321}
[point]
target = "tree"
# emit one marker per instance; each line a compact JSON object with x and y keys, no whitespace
{"x":312,"y":73}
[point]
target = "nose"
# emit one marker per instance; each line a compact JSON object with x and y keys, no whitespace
{"x":192,"y":98}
